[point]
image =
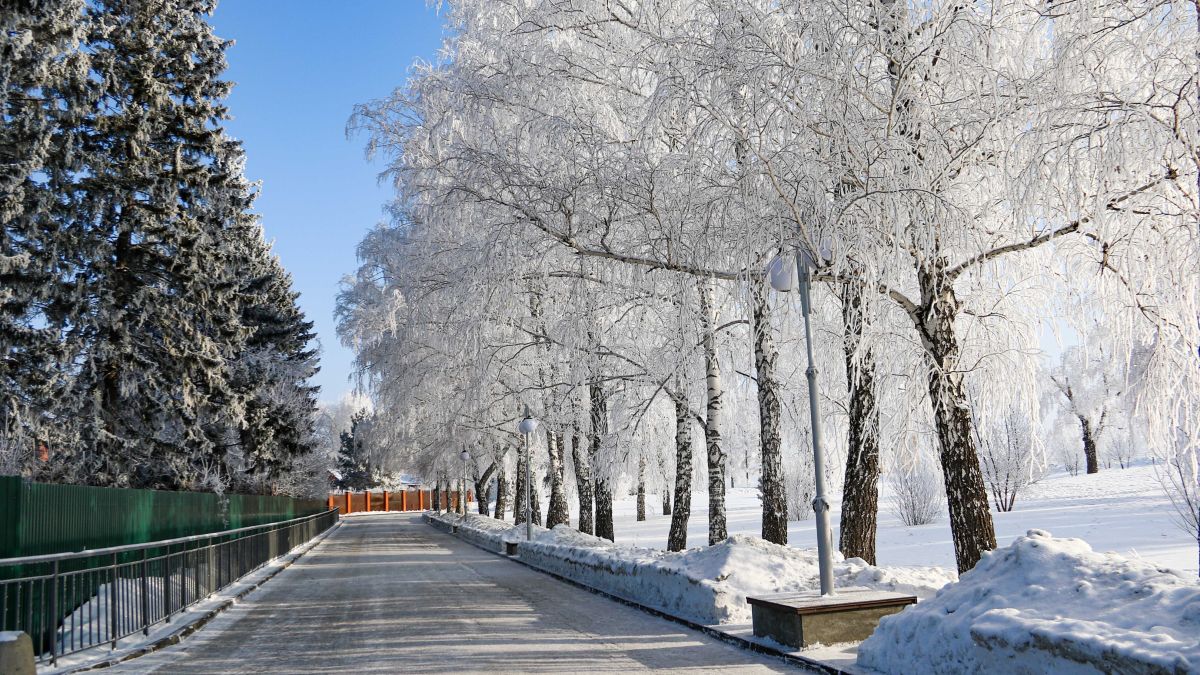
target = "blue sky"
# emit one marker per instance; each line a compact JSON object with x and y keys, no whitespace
{"x":300,"y":66}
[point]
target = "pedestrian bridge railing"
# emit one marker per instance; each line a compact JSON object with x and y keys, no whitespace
{"x":69,"y":602}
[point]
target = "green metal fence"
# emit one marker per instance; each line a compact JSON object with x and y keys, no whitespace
{"x":39,"y":518}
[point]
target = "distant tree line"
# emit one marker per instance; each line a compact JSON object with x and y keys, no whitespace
{"x":149,"y":337}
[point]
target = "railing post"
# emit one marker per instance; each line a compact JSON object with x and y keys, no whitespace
{"x":212,"y":567}
{"x":145,"y":593}
{"x":54,"y":616}
{"x":166,"y":565}
{"x":114,"y":612}
{"x":195,"y":554}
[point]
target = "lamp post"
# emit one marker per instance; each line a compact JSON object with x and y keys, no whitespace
{"x":527,"y":426}
{"x":462,"y":495}
{"x":783,"y":278}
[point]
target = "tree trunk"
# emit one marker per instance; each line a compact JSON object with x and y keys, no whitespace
{"x":107,"y":469}
{"x":583,"y":482}
{"x":603,"y":493}
{"x":535,"y":498}
{"x":665,"y":489}
{"x":717,"y":531}
{"x":481,"y":488}
{"x":774,"y":495}
{"x":519,"y":492}
{"x":501,"y":491}
{"x":604,"y":510}
{"x":860,"y":494}
{"x":1089,"y":445}
{"x":641,"y":488}
{"x":558,"y":513}
{"x":966,"y":493}
{"x":677,"y":538}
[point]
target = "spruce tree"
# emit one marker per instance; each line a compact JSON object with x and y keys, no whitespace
{"x":354,"y":463}
{"x":162,"y":183}
{"x":43,"y":83}
{"x":148,"y":337}
{"x":273,"y":370}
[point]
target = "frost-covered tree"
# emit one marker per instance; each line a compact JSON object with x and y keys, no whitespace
{"x":143,"y":327}
{"x":354,"y":461}
{"x":1179,"y":474}
{"x":271,"y":374}
{"x":942,"y":164}
{"x":1091,"y":388}
{"x":1007,"y":456}
{"x":43,"y":89}
{"x":917,"y":493}
{"x":159,"y":319}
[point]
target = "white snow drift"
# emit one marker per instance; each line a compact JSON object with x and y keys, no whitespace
{"x":1047,"y":605}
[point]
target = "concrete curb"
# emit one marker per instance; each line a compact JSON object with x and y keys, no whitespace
{"x":708,"y":630}
{"x":203,"y":620}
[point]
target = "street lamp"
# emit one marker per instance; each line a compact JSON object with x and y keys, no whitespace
{"x":783,"y":276}
{"x":527,"y":426}
{"x":462,"y":495}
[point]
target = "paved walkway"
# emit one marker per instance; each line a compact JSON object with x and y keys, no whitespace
{"x":387,"y":593}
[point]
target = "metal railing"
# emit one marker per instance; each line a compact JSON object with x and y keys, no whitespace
{"x":69,"y":602}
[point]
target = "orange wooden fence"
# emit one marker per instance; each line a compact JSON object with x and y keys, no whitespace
{"x":400,"y":500}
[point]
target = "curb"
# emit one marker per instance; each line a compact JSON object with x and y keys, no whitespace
{"x":735,"y":640}
{"x":203,"y":620}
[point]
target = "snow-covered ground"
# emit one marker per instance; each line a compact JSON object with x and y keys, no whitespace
{"x":1114,"y":589}
{"x":1118,"y":510}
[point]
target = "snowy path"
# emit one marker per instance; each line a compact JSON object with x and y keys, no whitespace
{"x":387,"y":593}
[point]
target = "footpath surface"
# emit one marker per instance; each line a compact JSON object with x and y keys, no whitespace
{"x":387,"y":593}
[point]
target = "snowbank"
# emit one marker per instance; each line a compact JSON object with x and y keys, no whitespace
{"x":1047,"y":605}
{"x":708,"y":585}
{"x":483,"y":531}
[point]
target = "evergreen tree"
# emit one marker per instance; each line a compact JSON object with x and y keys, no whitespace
{"x":354,"y":462}
{"x":148,"y":337}
{"x":273,"y":371}
{"x":162,"y":184}
{"x":43,"y":83}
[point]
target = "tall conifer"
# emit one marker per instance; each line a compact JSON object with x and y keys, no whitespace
{"x":43,"y":86}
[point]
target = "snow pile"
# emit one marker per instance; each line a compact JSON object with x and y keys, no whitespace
{"x":636,"y":574}
{"x":744,"y":565}
{"x":708,"y":585}
{"x":1047,"y":605}
{"x":483,"y":531}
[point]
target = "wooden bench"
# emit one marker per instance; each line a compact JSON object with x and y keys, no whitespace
{"x":801,"y":620}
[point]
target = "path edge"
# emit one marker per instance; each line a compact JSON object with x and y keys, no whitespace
{"x":721,"y":635}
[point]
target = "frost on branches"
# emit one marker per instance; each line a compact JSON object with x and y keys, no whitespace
{"x":150,"y":338}
{"x":587,"y":196}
